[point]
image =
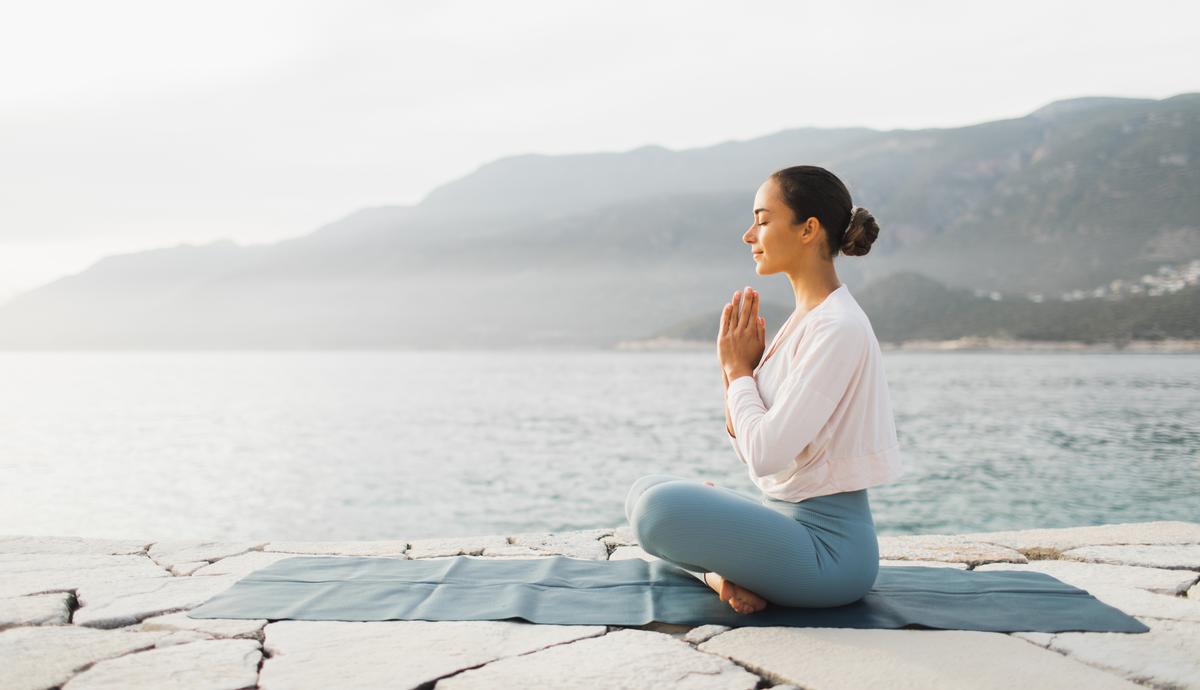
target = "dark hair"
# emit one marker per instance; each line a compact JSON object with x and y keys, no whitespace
{"x":810,"y":190}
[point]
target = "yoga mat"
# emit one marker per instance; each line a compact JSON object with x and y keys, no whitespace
{"x":574,"y":591}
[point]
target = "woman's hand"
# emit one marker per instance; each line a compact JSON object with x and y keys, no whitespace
{"x":742,"y":337}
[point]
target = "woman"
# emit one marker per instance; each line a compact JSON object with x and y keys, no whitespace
{"x":812,"y":422}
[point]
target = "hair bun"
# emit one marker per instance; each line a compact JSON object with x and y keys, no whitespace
{"x":860,"y":233}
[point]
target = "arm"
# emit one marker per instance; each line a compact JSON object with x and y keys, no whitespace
{"x":729,"y":420}
{"x":769,"y":440}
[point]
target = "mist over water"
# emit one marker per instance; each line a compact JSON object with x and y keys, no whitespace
{"x":412,"y":444}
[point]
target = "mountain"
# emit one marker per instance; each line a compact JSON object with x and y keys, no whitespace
{"x":909,"y":306}
{"x":595,"y":248}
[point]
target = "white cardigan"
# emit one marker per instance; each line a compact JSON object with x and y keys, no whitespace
{"x":816,"y":416}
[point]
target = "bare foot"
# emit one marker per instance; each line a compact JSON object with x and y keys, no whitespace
{"x":740,"y":599}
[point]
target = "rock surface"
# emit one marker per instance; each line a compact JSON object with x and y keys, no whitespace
{"x":396,"y":654}
{"x":38,"y":658}
{"x":115,"y":604}
{"x":948,"y":548}
{"x":840,"y":658}
{"x":202,"y":665}
{"x":1053,"y":541}
{"x":1087,"y":575}
{"x":1183,"y":556}
{"x":58,"y":596}
{"x":168,"y":554}
{"x":39,"y":609}
{"x":647,"y":660}
{"x":216,"y":627}
{"x":1167,"y":657}
{"x":340,"y":548}
{"x":35,"y":573}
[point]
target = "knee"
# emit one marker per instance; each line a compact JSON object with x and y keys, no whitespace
{"x":639,"y":487}
{"x":659,"y":508}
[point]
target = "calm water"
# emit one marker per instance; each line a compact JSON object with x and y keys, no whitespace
{"x":394,"y":445}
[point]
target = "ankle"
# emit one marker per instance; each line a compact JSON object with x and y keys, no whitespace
{"x":715,"y":581}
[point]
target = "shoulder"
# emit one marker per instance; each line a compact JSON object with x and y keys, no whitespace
{"x":839,"y":331}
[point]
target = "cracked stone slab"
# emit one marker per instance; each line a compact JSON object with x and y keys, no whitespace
{"x":575,"y":544}
{"x":455,"y":546}
{"x":677,"y":630}
{"x":512,"y":551}
{"x":319,"y":655}
{"x":201,"y":665}
{"x":929,"y":564}
{"x":43,"y":657}
{"x":847,"y":658}
{"x":115,"y":604}
{"x":170,"y":553}
{"x":1057,"y":539}
{"x":243,"y":564}
{"x":621,"y":536}
{"x":182,"y":637}
{"x":217,"y":627}
{"x":948,"y":548}
{"x":1172,"y":556}
{"x":187,"y":568}
{"x":622,"y":659}
{"x":340,"y":548}
{"x":72,"y":545}
{"x":701,"y":633}
{"x":1166,"y":657}
{"x":622,"y":553}
{"x":1041,"y":639}
{"x":1140,"y":602}
{"x":38,"y":609}
{"x":1087,"y":575}
{"x":35,"y":573}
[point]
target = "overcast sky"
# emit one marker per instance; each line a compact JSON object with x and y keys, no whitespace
{"x":132,"y":125}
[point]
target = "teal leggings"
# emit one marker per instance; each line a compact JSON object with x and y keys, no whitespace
{"x":818,"y":552}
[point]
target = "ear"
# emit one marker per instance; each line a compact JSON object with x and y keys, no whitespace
{"x":810,"y":228}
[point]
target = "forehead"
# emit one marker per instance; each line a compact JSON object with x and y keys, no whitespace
{"x":764,"y":198}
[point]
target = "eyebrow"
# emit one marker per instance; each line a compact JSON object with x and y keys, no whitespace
{"x":762,"y":209}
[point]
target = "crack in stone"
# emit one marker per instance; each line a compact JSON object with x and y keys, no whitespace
{"x":72,"y":606}
{"x":1140,"y":680}
{"x":428,"y":685}
{"x":90,"y":664}
{"x":763,"y":675}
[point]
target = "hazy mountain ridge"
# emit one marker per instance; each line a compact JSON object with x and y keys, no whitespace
{"x":909,"y":306}
{"x":591,"y":249}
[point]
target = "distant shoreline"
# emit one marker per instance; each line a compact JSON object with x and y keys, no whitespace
{"x":966,"y":344}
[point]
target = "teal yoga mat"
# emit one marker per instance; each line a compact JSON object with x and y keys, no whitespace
{"x":573,"y":591}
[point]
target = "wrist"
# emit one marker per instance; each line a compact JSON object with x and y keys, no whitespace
{"x":737,"y":372}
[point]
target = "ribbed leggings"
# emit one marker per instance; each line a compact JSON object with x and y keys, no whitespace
{"x":818,"y":552}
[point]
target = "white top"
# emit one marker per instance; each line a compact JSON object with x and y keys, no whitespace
{"x":816,"y":416}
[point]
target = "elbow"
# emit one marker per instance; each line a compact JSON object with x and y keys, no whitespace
{"x":766,"y":465}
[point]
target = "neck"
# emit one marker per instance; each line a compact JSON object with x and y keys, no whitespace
{"x":812,"y":284}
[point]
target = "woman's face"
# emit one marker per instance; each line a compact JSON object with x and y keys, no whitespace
{"x":776,"y":243}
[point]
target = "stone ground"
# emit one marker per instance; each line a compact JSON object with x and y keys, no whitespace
{"x":82,"y":614}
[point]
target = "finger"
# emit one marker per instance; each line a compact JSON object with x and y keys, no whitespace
{"x":724,"y":322}
{"x":734,"y":319}
{"x":744,"y":319}
{"x":762,"y":331}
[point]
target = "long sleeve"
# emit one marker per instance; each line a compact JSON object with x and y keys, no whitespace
{"x":733,"y":442}
{"x":768,"y":441}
